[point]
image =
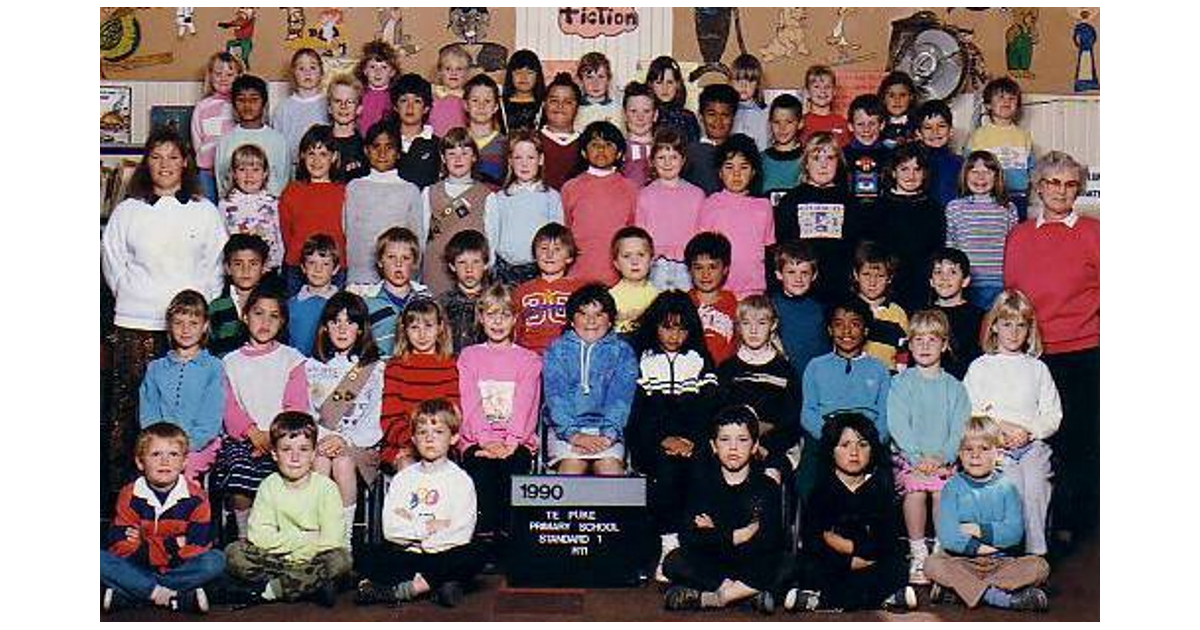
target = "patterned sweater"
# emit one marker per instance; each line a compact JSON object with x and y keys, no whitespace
{"x":172,"y":530}
{"x":407,"y":381}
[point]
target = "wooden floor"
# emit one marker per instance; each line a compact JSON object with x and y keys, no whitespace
{"x":1074,"y":596}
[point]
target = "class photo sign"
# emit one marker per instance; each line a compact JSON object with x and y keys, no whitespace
{"x":593,"y":22}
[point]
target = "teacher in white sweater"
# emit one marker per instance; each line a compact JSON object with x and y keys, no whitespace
{"x":164,"y":238}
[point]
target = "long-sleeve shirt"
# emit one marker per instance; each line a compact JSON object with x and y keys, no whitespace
{"x":297,"y":522}
{"x":376,"y":103}
{"x":589,"y":386}
{"x":632,"y":299}
{"x":188,"y":393}
{"x":295,"y":115}
{"x":372,"y":205}
{"x":781,"y":168}
{"x":835,"y":124}
{"x":834,"y":383}
{"x":964,"y":348}
{"x":773,"y":391}
{"x":152,"y":250}
{"x":749,"y":224}
{"x":826,"y":218}
{"x":945,"y":167}
{"x":425,"y":492}
{"x":801,"y":328}
{"x":308,"y":208}
{"x":270,"y":141}
{"x":751,"y":119}
{"x":669,"y":213}
{"x":1057,"y":264}
{"x":500,"y":393}
{"x":256,"y":214}
{"x":914,"y":227}
{"x":1015,"y":388}
{"x":408,"y":381}
{"x":732,"y":507}
{"x":701,"y":168}
{"x":304,"y":317}
{"x":865,"y":516}
{"x":926,"y":414}
{"x":359,"y":426}
{"x":992,"y":503}
{"x":420,"y":158}
{"x":595,"y":206}
{"x":385,"y":308}
{"x":172,"y":530}
{"x":560,"y":157}
{"x":512,"y":216}
{"x":677,"y":395}
{"x":608,"y":109}
{"x":492,"y":167}
{"x":448,"y":111}
{"x":717,"y":321}
{"x":261,"y":382}
{"x":211,"y":118}
{"x":542,"y":311}
{"x":681,"y":120}
{"x":978,"y":225}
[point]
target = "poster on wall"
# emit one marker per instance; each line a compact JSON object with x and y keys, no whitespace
{"x":593,"y":22}
{"x":115,"y":118}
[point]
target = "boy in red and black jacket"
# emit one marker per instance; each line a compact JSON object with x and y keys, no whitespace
{"x":159,"y":545}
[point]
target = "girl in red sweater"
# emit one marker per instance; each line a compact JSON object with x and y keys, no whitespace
{"x":312,"y":204}
{"x":423,"y":368}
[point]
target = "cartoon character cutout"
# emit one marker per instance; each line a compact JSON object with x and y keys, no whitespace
{"x":470,"y":25}
{"x":184,"y":22}
{"x":242,"y":26}
{"x":791,"y":26}
{"x":1020,"y":39}
{"x":1085,"y":37}
{"x":295,"y":22}
{"x":391,"y":30}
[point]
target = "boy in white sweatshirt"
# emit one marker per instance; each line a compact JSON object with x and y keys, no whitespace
{"x":428,"y":521}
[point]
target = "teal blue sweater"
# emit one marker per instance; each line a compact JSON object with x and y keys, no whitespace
{"x":832,"y":383}
{"x":992,"y":503}
{"x":926,"y":414}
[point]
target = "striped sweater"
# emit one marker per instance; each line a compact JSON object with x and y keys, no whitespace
{"x":171,"y":531}
{"x":978,"y":225}
{"x":677,"y":394}
{"x":408,"y":380}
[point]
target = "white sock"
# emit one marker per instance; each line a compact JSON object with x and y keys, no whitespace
{"x":937,"y":545}
{"x":348,"y":519}
{"x":242,"y":517}
{"x":918,"y":549}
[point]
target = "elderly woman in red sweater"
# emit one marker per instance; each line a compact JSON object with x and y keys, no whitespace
{"x":1054,"y":257}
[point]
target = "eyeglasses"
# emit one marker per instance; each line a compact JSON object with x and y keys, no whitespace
{"x":1070,"y":184}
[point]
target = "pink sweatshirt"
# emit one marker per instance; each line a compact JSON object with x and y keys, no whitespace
{"x":595,"y":207}
{"x":211,"y":119}
{"x":501,"y":391}
{"x":749,"y":225}
{"x":669,"y":214}
{"x":447,"y":113}
{"x":375,"y":105}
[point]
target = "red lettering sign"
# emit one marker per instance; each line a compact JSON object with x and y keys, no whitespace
{"x":592,"y":22}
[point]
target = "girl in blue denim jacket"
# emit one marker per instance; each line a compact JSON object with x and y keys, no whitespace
{"x":590,"y":376}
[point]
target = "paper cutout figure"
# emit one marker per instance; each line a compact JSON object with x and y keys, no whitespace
{"x":323,"y":35}
{"x":712,"y":33}
{"x":120,"y":37}
{"x":391,"y":30}
{"x":1019,"y":41}
{"x":844,"y":48}
{"x":470,"y":24}
{"x":184,"y":22}
{"x":791,"y":26}
{"x":295,"y":23}
{"x":242,"y":26}
{"x":1085,"y":37}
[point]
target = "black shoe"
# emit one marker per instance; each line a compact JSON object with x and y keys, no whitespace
{"x":1030,"y":598}
{"x":192,"y":601}
{"x":903,"y":600}
{"x":763,"y":602}
{"x":112,"y":600}
{"x":682,"y":598}
{"x":369,"y":592}
{"x":448,"y":595}
{"x":239,"y":594}
{"x":326,"y":594}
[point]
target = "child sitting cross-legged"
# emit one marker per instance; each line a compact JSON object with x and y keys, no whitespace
{"x":979,"y":526}
{"x":428,"y":521}
{"x":159,"y":545}
{"x":589,"y":380}
{"x":295,"y":547}
{"x":732,"y":546}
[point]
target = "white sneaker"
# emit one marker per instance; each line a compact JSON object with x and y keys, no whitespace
{"x":916,"y":572}
{"x":801,"y":600}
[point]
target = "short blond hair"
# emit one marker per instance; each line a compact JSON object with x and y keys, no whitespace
{"x":437,"y":411}
{"x":496,"y":294}
{"x":348,"y":80}
{"x":758,"y":303}
{"x":929,"y":322}
{"x":984,"y":429}
{"x":1010,"y":304}
{"x":160,"y":431}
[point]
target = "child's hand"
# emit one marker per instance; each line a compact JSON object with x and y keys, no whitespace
{"x":261,"y":440}
{"x":760,"y":452}
{"x":589,"y":443}
{"x":404,"y":457}
{"x":970,"y":529}
{"x":703,"y":521}
{"x":774,"y":473}
{"x":858,"y":564}
{"x":133,"y":535}
{"x":673,"y":445}
{"x":494,"y":450}
{"x":506,"y":450}
{"x":743,"y":535}
{"x":436,"y":525}
{"x":838,"y":543}
{"x":403,"y":513}
{"x":331,"y":446}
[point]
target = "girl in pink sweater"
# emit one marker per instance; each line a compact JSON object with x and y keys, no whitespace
{"x":668,"y":208}
{"x":500,"y":386}
{"x":745,"y":220}
{"x":598,"y":202}
{"x":213,"y":116}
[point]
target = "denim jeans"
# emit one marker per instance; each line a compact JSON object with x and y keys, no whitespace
{"x":136,"y":581}
{"x":208,"y":184}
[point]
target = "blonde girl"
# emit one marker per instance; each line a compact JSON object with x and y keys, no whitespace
{"x":306,"y":106}
{"x":213,"y":116}
{"x":1011,"y":384}
{"x":422,"y":368}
